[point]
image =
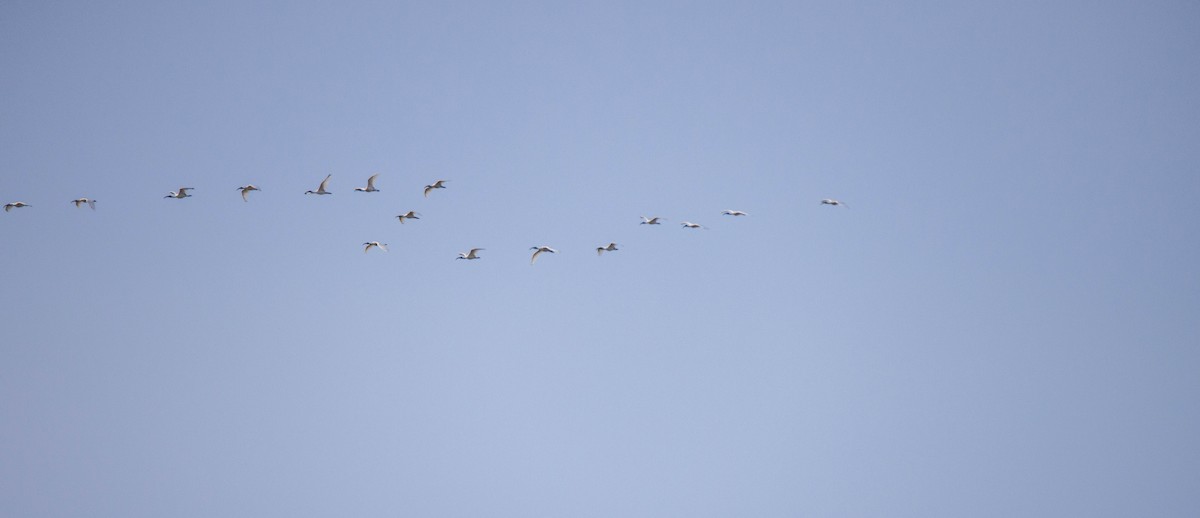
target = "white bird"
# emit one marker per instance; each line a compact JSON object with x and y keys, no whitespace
{"x":651,"y":221}
{"x":321,"y":189}
{"x":377,"y":244}
{"x":80,"y":201}
{"x":540,"y":249}
{"x":370,"y":185}
{"x":408,"y":215}
{"x":734,"y":213}
{"x":835,"y":203}
{"x":689,"y":224}
{"x":612,"y":247}
{"x":470,"y":255}
{"x":181,"y":193}
{"x":246,"y":190}
{"x":15,"y":205}
{"x":436,"y":185}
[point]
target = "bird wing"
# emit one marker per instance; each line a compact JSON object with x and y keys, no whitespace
{"x":535,"y":254}
{"x":91,"y":203}
{"x":427,"y":189}
{"x":371,"y":182}
{"x":324,"y":183}
{"x":245,"y":191}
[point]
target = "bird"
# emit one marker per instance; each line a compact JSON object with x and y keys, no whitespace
{"x":612,"y":247}
{"x":370,"y":185}
{"x":689,"y":224}
{"x":408,"y":215}
{"x":436,"y":185}
{"x":321,"y":189}
{"x":80,"y":201}
{"x":246,"y":190}
{"x":470,"y":255}
{"x":15,"y":205}
{"x":377,"y":244}
{"x":540,"y":249}
{"x":835,"y":203}
{"x":734,"y":213}
{"x":651,"y":221}
{"x":181,"y":193}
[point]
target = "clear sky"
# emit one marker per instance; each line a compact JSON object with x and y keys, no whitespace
{"x":1003,"y":321}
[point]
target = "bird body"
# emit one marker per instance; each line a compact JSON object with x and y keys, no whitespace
{"x":832,"y":202}
{"x":80,"y":201}
{"x":370,"y":185}
{"x":374,"y":244}
{"x":15,"y":205}
{"x":435,"y":185}
{"x":689,"y":224}
{"x":246,"y":191}
{"x":473,"y":254}
{"x":651,"y":221}
{"x":408,"y":215}
{"x":612,"y":247}
{"x":734,"y":213}
{"x":539,"y":250}
{"x":180,"y":194}
{"x":321,"y":188}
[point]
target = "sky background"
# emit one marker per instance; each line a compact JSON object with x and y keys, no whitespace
{"x":1002,"y":322}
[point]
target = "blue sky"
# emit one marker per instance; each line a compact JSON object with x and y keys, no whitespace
{"x":1002,"y":321}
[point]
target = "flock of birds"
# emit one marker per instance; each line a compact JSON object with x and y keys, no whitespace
{"x":472,"y":254}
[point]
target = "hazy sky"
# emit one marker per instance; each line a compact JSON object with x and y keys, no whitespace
{"x":1003,"y":320}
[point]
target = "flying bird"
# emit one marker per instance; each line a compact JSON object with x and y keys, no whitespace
{"x":246,"y":191}
{"x":80,"y":201}
{"x":689,"y":224}
{"x":734,"y":213}
{"x":835,"y":203}
{"x":612,"y":247}
{"x":376,"y":244}
{"x":370,"y":185}
{"x":181,"y":193}
{"x":321,"y":189}
{"x":470,"y":255}
{"x":651,"y":221}
{"x":408,"y":215}
{"x":436,"y":185}
{"x":15,"y":205}
{"x":540,"y":249}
